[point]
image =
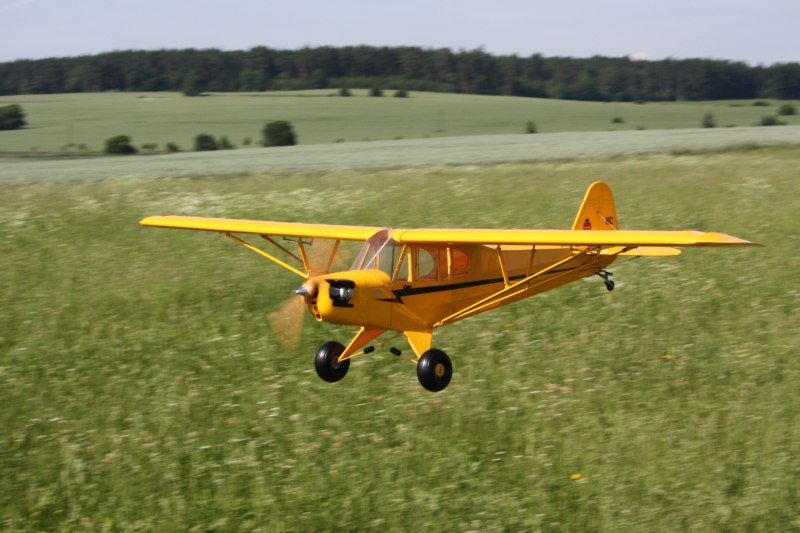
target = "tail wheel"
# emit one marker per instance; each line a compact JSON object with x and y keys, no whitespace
{"x":327,"y":363}
{"x":434,"y":370}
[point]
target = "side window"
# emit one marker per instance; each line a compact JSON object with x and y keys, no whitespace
{"x":426,"y":264}
{"x":460,"y":263}
{"x":432,"y":264}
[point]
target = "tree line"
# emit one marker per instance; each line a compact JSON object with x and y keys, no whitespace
{"x":408,"y":68}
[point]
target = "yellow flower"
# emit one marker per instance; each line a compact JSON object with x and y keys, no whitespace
{"x":669,"y":357}
{"x":510,"y":325}
{"x":574,"y":477}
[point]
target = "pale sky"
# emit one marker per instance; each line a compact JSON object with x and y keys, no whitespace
{"x":764,"y":31}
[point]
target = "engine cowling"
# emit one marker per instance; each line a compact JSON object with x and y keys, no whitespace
{"x":353,"y":298}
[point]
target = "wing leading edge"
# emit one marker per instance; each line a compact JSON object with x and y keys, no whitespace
{"x":625,"y":238}
{"x":262,"y":227}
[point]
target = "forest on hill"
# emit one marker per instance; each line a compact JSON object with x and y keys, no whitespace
{"x":411,"y":68}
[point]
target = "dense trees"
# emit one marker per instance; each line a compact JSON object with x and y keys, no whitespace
{"x":408,"y":68}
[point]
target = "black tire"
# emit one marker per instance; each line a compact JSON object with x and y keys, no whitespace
{"x":610,"y":285}
{"x":434,"y":370}
{"x":326,"y":364}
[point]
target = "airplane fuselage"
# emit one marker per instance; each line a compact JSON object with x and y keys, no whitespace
{"x":464,"y":276}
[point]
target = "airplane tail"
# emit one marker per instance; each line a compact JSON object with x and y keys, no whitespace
{"x":597,"y":211}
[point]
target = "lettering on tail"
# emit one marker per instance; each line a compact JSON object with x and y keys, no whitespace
{"x":587,"y":224}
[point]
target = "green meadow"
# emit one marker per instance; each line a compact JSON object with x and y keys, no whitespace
{"x":142,"y":389}
{"x":80,"y":123}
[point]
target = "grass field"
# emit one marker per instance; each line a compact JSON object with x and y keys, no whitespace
{"x":142,"y":390}
{"x":56,"y":121}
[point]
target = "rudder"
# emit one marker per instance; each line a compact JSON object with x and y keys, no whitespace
{"x":597,"y":211}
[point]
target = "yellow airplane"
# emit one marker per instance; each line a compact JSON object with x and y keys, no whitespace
{"x":411,"y":281}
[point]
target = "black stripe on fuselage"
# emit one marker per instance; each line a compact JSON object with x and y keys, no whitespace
{"x":413,"y":291}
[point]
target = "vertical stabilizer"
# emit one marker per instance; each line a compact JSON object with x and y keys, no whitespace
{"x":597,"y":211}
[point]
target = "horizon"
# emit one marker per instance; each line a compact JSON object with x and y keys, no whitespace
{"x":713,"y":29}
{"x":637,"y":57}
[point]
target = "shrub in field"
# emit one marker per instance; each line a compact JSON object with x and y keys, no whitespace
{"x":709,"y":121}
{"x":375,"y":92}
{"x":12,"y":117}
{"x":787,"y":109}
{"x":530,"y":127}
{"x":400,"y":94}
{"x":191,"y":85}
{"x":344,"y":92}
{"x":771,"y":120}
{"x":205,"y":143}
{"x":278,"y":133}
{"x":760,"y":103}
{"x":617,"y":120}
{"x":172,"y":147}
{"x":121,"y":144}
{"x":225,"y":144}
{"x":246,"y":141}
{"x":149,"y":146}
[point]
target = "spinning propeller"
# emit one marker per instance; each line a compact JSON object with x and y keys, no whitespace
{"x":287,"y":319}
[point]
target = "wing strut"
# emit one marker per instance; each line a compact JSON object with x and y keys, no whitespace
{"x":268,"y":238}
{"x":516,"y":288}
{"x":333,"y":254}
{"x":265,"y":254}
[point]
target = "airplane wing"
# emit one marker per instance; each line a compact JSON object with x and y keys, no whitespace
{"x":577,"y":238}
{"x":263,"y":227}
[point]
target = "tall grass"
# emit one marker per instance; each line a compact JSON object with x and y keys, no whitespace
{"x":142,"y":390}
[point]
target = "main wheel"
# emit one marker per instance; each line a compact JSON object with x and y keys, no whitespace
{"x":434,"y":370}
{"x":609,"y":285}
{"x":327,"y":363}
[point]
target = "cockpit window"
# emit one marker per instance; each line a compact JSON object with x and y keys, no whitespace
{"x":381,"y":252}
{"x":431,"y":263}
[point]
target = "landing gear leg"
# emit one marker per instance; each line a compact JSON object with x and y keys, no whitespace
{"x":605,"y":274}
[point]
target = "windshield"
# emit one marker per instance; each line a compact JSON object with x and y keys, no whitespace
{"x":381,"y":252}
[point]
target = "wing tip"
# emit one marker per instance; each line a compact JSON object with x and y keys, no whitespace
{"x":721,"y":239}
{"x":149,"y":221}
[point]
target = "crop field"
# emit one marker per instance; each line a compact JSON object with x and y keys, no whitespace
{"x":80,"y":123}
{"x":142,"y":389}
{"x":478,"y":149}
